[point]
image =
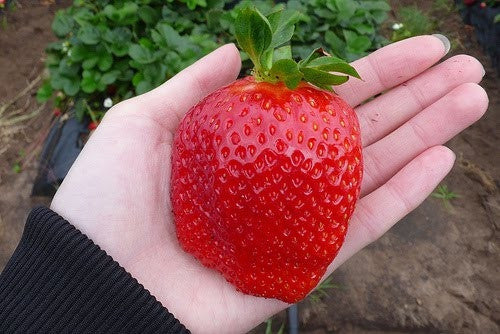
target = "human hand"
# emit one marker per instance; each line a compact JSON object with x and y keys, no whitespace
{"x":118,"y":192}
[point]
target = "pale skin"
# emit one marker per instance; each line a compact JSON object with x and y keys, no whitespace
{"x":118,"y":191}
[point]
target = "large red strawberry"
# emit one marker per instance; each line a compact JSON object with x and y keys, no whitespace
{"x":266,"y":171}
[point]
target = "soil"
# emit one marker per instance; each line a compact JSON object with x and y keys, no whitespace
{"x":435,"y":272}
{"x":22,"y":43}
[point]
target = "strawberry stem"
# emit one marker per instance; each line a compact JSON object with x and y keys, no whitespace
{"x":266,"y":41}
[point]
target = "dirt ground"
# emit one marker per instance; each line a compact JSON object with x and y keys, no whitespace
{"x":437,"y":271}
{"x":22,"y":44}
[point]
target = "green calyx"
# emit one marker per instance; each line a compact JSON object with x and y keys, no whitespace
{"x":266,"y":42}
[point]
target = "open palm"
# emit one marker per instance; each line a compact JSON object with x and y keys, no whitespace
{"x":117,"y":192}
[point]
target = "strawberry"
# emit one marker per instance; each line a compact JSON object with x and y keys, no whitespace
{"x":267,"y":170}
{"x":93,"y":125}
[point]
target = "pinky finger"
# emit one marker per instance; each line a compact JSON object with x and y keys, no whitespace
{"x":378,"y":211}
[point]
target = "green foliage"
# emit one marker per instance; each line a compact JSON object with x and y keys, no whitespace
{"x":16,"y":168}
{"x":322,"y":290}
{"x":346,"y":28}
{"x":442,"y":192}
{"x":415,"y":22}
{"x":4,"y":6}
{"x":443,"y":5}
{"x":259,"y":35}
{"x":121,"y":48}
{"x":269,"y":327}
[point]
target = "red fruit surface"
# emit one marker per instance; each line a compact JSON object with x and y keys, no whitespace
{"x":264,"y":181}
{"x":57,"y":111}
{"x":92,"y":125}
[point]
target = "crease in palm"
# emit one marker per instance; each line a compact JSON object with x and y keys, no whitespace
{"x":118,"y":190}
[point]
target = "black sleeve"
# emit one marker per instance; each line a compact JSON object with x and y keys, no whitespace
{"x":59,"y":281}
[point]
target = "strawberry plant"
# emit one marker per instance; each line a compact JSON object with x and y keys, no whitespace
{"x":269,"y":327}
{"x":116,"y":49}
{"x":6,"y":5}
{"x":413,"y":22}
{"x":267,"y":170}
{"x":442,"y":192}
{"x":322,"y":290}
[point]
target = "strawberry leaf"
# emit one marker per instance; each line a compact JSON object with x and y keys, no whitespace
{"x":333,"y":64}
{"x":283,"y":26}
{"x":323,"y":79}
{"x":260,"y":38}
{"x":253,"y":33}
{"x":287,"y":71}
{"x":316,"y":53}
{"x":285,"y":52}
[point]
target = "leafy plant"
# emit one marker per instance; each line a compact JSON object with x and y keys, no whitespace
{"x":443,"y":5}
{"x":16,"y":167}
{"x":442,"y":192}
{"x":414,"y":22}
{"x":322,"y":290}
{"x":6,"y":5}
{"x":269,"y":327}
{"x":120,"y":48}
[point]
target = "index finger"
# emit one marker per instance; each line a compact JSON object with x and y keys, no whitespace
{"x":391,"y":66}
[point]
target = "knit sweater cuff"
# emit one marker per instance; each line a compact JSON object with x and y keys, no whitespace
{"x":59,"y":281}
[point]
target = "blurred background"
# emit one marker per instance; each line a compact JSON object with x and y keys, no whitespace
{"x":64,"y":63}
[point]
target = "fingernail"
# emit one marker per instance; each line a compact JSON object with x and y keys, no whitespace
{"x":484,"y":72}
{"x":445,"y":41}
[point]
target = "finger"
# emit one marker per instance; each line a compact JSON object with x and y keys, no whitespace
{"x":170,"y":101}
{"x":433,"y":126}
{"x":377,"y":212}
{"x":390,"y":66}
{"x":379,"y":117}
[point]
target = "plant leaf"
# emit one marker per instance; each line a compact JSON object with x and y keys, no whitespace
{"x":105,"y":61}
{"x":148,"y":14}
{"x":90,"y":80}
{"x":335,"y":42}
{"x":83,"y":16}
{"x":316,"y":53}
{"x":253,"y":33}
{"x":141,"y":54}
{"x":285,"y":52}
{"x":287,"y":71}
{"x":44,"y":92}
{"x":71,"y":87}
{"x":79,"y":109}
{"x":321,"y":79}
{"x":269,"y":324}
{"x":119,"y":40}
{"x":346,"y":8}
{"x":109,"y":77}
{"x":63,"y":24}
{"x":333,"y":64}
{"x":356,"y":43}
{"x":124,"y":15}
{"x":283,"y":26}
{"x":89,"y":35}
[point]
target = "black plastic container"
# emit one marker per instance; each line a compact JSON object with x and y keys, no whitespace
{"x":61,"y":148}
